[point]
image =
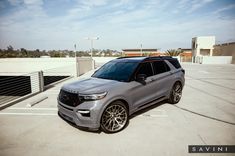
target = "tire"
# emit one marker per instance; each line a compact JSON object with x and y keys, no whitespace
{"x":114,"y":118}
{"x":176,"y":93}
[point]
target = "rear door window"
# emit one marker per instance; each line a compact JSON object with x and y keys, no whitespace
{"x":160,"y":67}
{"x":145,"y":68}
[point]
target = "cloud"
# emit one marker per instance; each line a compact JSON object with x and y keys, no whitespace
{"x":198,"y":4}
{"x":92,"y":3}
{"x":33,"y":2}
{"x":189,"y":6}
{"x":228,"y":7}
{"x":183,"y":3}
{"x":2,"y":5}
{"x":15,"y":2}
{"x":122,"y":24}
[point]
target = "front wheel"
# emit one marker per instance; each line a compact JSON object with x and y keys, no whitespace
{"x":115,"y":117}
{"x":176,"y":93}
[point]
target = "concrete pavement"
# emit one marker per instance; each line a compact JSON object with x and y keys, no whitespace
{"x":160,"y":130}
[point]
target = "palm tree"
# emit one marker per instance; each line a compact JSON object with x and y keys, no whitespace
{"x":173,"y":52}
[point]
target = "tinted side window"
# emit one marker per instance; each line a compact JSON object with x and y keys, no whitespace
{"x":160,"y":67}
{"x":175,"y":63}
{"x":145,"y":68}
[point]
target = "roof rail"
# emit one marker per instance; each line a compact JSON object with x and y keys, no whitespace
{"x":165,"y":56}
{"x":159,"y":57}
{"x":128,"y":57}
{"x":147,"y":58}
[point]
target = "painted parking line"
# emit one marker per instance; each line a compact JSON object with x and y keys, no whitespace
{"x":29,"y":108}
{"x":203,"y":71}
{"x":51,"y":93}
{"x":24,"y":111}
{"x":156,"y":113}
{"x":29,"y":114}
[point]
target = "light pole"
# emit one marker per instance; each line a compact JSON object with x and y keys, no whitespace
{"x":91,"y":39}
{"x":75,"y":51}
{"x":141,"y":50}
{"x":76,"y":64}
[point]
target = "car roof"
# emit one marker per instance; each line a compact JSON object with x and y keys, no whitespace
{"x":130,"y":59}
{"x":142,"y":59}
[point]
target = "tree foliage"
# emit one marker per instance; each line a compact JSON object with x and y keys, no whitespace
{"x":173,"y":52}
{"x":10,"y":52}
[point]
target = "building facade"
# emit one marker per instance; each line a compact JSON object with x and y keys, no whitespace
{"x":203,"y":45}
{"x":226,"y":49}
{"x":186,"y":55}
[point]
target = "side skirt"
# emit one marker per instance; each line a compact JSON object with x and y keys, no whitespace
{"x":149,"y":104}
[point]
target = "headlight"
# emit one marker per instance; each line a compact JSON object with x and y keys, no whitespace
{"x":97,"y":96}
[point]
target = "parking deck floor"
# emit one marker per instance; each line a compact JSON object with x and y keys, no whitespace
{"x":204,"y":116}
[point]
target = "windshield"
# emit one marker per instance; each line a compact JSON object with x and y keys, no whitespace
{"x":120,"y":71}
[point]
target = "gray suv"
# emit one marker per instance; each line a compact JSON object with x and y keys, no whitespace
{"x":118,"y":89}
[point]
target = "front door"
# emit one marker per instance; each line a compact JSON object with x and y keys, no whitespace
{"x":143,"y":93}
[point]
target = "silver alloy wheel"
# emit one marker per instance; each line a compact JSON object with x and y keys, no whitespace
{"x":114,"y":118}
{"x":177,"y":92}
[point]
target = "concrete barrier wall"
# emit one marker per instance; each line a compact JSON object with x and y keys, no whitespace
{"x":35,"y":82}
{"x":84,"y":65}
{"x":50,"y":66}
{"x":27,"y":65}
{"x":217,"y":59}
{"x":213,"y":59}
{"x":99,"y":61}
{"x":227,"y":49}
{"x":18,"y":76}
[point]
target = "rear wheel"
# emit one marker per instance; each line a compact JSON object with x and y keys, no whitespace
{"x":176,"y":93}
{"x":115,"y":117}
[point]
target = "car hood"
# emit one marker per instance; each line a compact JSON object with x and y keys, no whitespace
{"x":90,"y":86}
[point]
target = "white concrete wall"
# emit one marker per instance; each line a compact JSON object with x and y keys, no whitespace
{"x":205,"y":42}
{"x":216,"y":59}
{"x":35,"y":82}
{"x":99,"y":61}
{"x":213,"y":59}
{"x":27,"y":65}
{"x":84,"y":65}
{"x":50,"y":66}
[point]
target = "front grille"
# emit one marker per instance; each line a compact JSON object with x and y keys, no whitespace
{"x":70,"y":99}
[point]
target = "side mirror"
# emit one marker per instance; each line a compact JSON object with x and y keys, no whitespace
{"x":141,"y":78}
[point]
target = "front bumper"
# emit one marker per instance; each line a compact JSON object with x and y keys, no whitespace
{"x":80,"y":116}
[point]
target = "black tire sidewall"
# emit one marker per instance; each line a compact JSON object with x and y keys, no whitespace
{"x":171,"y":99}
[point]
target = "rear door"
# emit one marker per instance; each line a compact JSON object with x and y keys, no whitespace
{"x":162,"y":78}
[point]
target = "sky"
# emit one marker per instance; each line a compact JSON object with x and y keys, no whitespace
{"x":119,"y":24}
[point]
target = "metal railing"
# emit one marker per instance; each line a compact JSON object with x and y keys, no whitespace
{"x":50,"y":76}
{"x":61,"y":71}
{"x":14,"y":87}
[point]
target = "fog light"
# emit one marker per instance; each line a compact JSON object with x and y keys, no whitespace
{"x":85,"y":113}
